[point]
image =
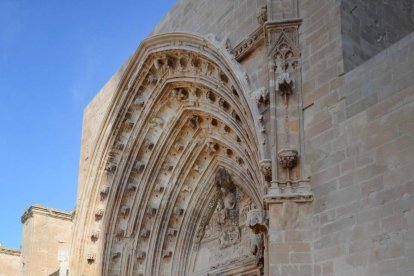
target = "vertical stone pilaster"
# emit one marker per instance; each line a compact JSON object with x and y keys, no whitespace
{"x":288,"y":197}
{"x":284,"y":63}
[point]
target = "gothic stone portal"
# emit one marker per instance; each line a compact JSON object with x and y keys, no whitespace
{"x":224,"y":245}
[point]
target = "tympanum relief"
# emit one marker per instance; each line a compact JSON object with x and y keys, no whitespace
{"x":226,"y":242}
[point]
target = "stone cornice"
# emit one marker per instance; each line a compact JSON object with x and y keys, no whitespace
{"x":249,"y":44}
{"x":10,"y":251}
{"x":41,"y":210}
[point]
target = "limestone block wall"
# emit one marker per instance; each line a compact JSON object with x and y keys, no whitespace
{"x":10,"y":262}
{"x":360,"y":148}
{"x":46,"y":239}
{"x":93,"y":117}
{"x":370,"y":26}
{"x":224,"y":18}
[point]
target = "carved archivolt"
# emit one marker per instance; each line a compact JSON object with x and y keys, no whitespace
{"x":178,"y":116}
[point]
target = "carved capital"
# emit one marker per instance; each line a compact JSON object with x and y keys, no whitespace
{"x":288,"y":158}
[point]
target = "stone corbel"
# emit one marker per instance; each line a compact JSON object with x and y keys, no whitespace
{"x":256,"y":221}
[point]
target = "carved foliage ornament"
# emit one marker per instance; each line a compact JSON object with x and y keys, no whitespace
{"x":288,"y":158}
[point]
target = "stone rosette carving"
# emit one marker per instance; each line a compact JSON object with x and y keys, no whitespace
{"x":288,"y":158}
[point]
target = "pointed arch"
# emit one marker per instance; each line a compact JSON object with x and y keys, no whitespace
{"x":180,"y":113}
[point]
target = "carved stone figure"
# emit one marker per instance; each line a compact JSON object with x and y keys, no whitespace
{"x":227,"y":210}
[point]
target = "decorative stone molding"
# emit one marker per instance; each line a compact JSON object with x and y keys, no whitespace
{"x":180,"y":93}
{"x":266,"y":167}
{"x":171,"y":232}
{"x":178,"y":147}
{"x":91,"y":258}
{"x":159,"y":188}
{"x":124,"y":210}
{"x":166,"y":253}
{"x":141,"y":255}
{"x":131,"y":187}
{"x":44,"y":211}
{"x":9,"y":251}
{"x":254,"y":40}
{"x":284,"y":85}
{"x":223,"y":104}
{"x":195,"y":121}
{"x":120,"y":234}
{"x":151,"y":211}
{"x":288,"y":158}
{"x":116,"y":256}
{"x":99,"y":214}
{"x":261,"y":96}
{"x":262,"y":15}
{"x":211,"y":96}
{"x":95,"y":236}
{"x":145,"y":233}
{"x":178,"y":211}
{"x":104,"y":192}
{"x":110,"y":168}
{"x":256,"y":221}
{"x":139,"y":166}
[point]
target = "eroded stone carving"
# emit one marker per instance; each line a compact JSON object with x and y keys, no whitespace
{"x":116,"y":256}
{"x":178,"y":211}
{"x":110,"y":167}
{"x":120,"y":234}
{"x":195,"y":121}
{"x":141,"y":255}
{"x":139,"y":167}
{"x":210,"y":96}
{"x":228,"y":211}
{"x":288,"y":158}
{"x":131,"y":187}
{"x":180,"y":93}
{"x":99,"y":214}
{"x":266,"y":167}
{"x":166,"y":253}
{"x":171,"y":232}
{"x":256,"y":221}
{"x":104,"y":192}
{"x":261,"y":96}
{"x":151,"y":211}
{"x":91,"y":258}
{"x":125,"y":210}
{"x":262,"y":15}
{"x":145,"y":233}
{"x":95,"y":236}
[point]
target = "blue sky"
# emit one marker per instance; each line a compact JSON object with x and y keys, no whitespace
{"x":54,"y":57}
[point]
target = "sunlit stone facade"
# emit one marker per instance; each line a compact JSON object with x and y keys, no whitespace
{"x":249,"y":137}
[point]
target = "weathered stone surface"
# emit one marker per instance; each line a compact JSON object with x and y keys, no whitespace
{"x":252,"y":119}
{"x":10,"y":262}
{"x":46,"y":240}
